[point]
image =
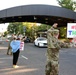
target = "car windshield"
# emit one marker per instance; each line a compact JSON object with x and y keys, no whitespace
{"x":41,"y":39}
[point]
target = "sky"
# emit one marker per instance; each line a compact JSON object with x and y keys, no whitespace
{"x":11,"y":3}
{"x":4,"y":4}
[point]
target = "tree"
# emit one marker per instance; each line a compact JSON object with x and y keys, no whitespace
{"x":30,"y":29}
{"x":43,"y":27}
{"x":5,"y":33}
{"x":69,"y":4}
{"x":15,"y":27}
{"x":62,"y":33}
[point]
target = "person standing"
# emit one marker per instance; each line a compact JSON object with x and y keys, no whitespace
{"x":52,"y":51}
{"x":54,"y":45}
{"x":15,"y":45}
{"x":9,"y":52}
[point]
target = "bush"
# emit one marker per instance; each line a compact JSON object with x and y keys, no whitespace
{"x":67,"y":41}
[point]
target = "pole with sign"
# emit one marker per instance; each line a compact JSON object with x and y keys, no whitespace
{"x":24,"y":30}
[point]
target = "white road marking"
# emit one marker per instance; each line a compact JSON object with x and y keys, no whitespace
{"x":24,"y":57}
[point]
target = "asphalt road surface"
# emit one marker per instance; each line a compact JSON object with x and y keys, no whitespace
{"x":33,"y":59}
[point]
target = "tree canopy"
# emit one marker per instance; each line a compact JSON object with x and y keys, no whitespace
{"x":69,"y":4}
{"x":26,"y":28}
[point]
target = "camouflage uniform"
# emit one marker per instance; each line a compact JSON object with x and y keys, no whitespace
{"x":52,"y":67}
{"x":9,"y":47}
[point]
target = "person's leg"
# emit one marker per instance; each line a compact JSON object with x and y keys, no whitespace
{"x":8,"y":50}
{"x":52,"y":66}
{"x":55,"y":68}
{"x":15,"y":57}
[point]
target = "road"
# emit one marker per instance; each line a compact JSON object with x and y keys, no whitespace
{"x":33,"y":59}
{"x":67,"y":61}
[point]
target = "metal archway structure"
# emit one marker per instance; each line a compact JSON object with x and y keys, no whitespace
{"x":45,"y":14}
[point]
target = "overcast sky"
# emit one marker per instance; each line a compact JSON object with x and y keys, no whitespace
{"x":11,"y":3}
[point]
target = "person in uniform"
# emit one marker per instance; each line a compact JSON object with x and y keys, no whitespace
{"x":9,"y":50}
{"x":52,"y":51}
{"x":52,"y":65}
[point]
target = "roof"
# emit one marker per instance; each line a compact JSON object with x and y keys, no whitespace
{"x":46,"y":14}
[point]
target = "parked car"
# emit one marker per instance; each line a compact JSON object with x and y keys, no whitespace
{"x":8,"y":36}
{"x":27,"y":40}
{"x":40,"y":42}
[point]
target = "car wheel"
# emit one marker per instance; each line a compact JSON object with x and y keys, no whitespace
{"x":38,"y":45}
{"x":34,"y":44}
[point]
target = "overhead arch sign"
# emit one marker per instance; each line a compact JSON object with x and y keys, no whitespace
{"x":71,"y":30}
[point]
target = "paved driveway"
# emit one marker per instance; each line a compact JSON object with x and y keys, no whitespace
{"x":32,"y":61}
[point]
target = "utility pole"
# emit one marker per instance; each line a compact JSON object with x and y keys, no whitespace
{"x":24,"y":30}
